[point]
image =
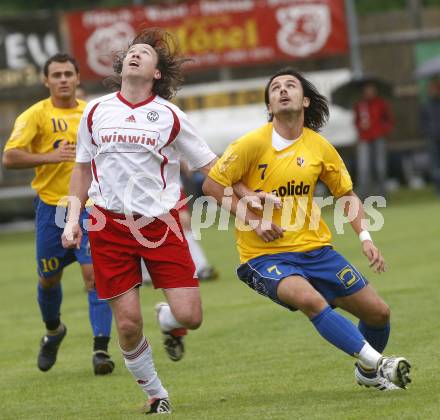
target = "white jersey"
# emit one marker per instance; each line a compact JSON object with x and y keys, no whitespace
{"x":135,"y":152}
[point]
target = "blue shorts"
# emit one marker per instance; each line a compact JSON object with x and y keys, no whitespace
{"x":325,"y":269}
{"x":51,"y":256}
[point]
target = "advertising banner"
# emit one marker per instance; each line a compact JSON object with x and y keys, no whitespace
{"x":25,"y":44}
{"x":224,"y":111}
{"x":214,"y":33}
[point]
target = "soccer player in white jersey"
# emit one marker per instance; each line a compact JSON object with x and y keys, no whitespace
{"x":129,"y":147}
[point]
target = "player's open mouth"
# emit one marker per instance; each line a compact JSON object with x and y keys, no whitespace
{"x":133,"y":64}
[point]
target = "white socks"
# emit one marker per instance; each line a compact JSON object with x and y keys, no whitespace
{"x":369,"y":357}
{"x":166,"y":319}
{"x":140,"y":363}
{"x":196,"y":251}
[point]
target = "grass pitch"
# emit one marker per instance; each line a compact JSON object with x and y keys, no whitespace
{"x":251,"y":359}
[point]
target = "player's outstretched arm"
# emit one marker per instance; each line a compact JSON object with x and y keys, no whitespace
{"x":355,"y":210}
{"x":79,"y":186}
{"x":205,"y":169}
{"x":265,"y":230}
{"x":21,"y":159}
{"x":256,"y":200}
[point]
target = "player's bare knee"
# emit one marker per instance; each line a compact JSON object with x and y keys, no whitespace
{"x":377,"y":315}
{"x":194,"y":323}
{"x":380,"y":316}
{"x":311,"y":304}
{"x":190,"y":319}
{"x":130,"y":328}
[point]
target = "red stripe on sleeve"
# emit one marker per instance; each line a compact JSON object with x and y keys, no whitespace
{"x":173,"y":134}
{"x":90,"y":120}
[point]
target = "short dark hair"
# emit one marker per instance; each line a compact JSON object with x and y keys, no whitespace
{"x":317,"y":113}
{"x":169,"y":62}
{"x":60,"y":58}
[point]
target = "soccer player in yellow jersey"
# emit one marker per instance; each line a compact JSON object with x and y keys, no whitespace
{"x":288,"y":255}
{"x":44,"y":138}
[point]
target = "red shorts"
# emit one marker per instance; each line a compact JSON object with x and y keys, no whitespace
{"x":117,"y":253}
{"x":182,"y":197}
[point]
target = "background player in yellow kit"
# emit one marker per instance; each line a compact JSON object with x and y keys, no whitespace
{"x":292,"y":261}
{"x":44,"y":138}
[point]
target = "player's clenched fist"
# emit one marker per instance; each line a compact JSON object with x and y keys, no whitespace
{"x":72,"y":235}
{"x":268,"y":231}
{"x":65,"y":152}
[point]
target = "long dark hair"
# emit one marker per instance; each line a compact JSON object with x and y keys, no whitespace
{"x":169,"y":62}
{"x":316,"y":114}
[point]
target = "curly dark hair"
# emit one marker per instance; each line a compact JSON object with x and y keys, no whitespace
{"x":169,"y":62}
{"x":317,"y":113}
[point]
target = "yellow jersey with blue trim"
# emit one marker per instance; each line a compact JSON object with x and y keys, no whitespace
{"x":41,"y":129}
{"x":292,"y":174}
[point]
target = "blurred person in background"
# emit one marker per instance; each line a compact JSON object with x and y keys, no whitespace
{"x":430,"y":125}
{"x":44,"y":138}
{"x":204,"y":270}
{"x":374,"y":121}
